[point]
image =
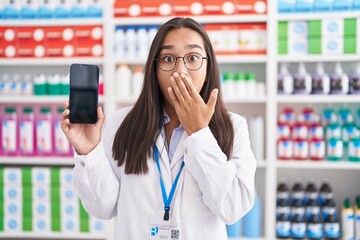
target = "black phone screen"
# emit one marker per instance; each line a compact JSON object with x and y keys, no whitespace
{"x":83,"y":106}
{"x":84,"y":80}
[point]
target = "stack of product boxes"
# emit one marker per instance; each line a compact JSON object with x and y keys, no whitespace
{"x":329,"y":36}
{"x":42,"y":200}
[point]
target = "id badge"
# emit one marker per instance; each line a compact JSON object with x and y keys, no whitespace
{"x":164,"y":230}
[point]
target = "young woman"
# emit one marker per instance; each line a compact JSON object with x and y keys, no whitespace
{"x":176,"y":165}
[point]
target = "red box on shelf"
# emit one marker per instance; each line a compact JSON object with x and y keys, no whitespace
{"x":251,"y":6}
{"x":156,"y":8}
{"x":8,"y":42}
{"x":127,"y":8}
{"x":217,"y":7}
{"x":89,"y":41}
{"x":60,"y":41}
{"x":31,"y":42}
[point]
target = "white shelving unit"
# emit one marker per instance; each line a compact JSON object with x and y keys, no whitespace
{"x":269,"y":169}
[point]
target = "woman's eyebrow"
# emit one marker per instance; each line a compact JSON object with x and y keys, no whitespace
{"x":192,"y":46}
{"x":171,"y":47}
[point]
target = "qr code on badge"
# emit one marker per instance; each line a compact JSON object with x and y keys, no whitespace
{"x":175,"y":234}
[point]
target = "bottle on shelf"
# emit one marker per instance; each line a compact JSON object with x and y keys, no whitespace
{"x":317,"y":142}
{"x":302,"y":81}
{"x":9,"y":131}
{"x":142,"y":42}
{"x":339,"y":81}
{"x":332,"y":225}
{"x":300,"y":138}
{"x":119,"y":42}
{"x":354,"y":80}
{"x":240,"y":85}
{"x":229,"y":86}
{"x":250,"y":85}
{"x":252,"y":220}
{"x":311,"y":191}
{"x":61,"y":144}
{"x":130,"y":43}
{"x":320,"y":81}
{"x":357,"y":217}
{"x":27,"y":132}
{"x":123,"y":82}
{"x":325,"y":192}
{"x":347,"y":220}
{"x":137,"y":81}
{"x":283,"y":226}
{"x":44,"y":132}
{"x":285,"y":80}
{"x":315,"y":225}
{"x":298,"y":226}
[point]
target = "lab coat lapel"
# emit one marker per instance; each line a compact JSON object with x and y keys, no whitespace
{"x":179,"y":152}
{"x":164,"y":158}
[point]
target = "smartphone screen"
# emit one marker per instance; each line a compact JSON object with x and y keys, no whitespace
{"x":83,"y":102}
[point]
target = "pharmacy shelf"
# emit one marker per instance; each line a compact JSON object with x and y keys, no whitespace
{"x":200,"y":19}
{"x":315,"y":16}
{"x":222,"y":59}
{"x":51,"y":160}
{"x":319,"y":165}
{"x":50,"y":61}
{"x":78,"y":236}
{"x":319,"y":58}
{"x":319,"y":99}
{"x":46,"y":99}
{"x":52,"y":22}
{"x":261,"y":99}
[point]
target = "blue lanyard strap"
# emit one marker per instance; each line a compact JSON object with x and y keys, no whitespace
{"x":166,"y":200}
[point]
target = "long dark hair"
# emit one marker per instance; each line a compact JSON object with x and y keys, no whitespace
{"x":135,"y":137}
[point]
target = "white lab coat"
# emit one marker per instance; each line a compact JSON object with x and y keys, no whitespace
{"x":211,"y":190}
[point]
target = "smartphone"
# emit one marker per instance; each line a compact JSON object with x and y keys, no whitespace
{"x":83,"y":100}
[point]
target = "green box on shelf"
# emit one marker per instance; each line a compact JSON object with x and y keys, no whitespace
{"x":40,"y":89}
{"x":282,"y":29}
{"x":314,"y":28}
{"x":54,"y":89}
{"x":282,"y":46}
{"x":350,"y":27}
{"x":314,"y":45}
{"x":350,"y":44}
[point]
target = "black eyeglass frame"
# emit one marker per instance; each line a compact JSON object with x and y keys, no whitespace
{"x":183,"y":58}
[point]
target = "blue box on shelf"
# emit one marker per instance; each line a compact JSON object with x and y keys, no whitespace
{"x":305,"y":5}
{"x":286,"y":6}
{"x":343,"y":5}
{"x":324,"y":5}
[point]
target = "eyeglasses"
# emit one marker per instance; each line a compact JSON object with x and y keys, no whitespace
{"x":192,"y":61}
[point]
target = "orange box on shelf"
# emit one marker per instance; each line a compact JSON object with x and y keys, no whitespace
{"x":8,"y":42}
{"x":217,"y":7}
{"x":252,"y":38}
{"x":93,"y":33}
{"x":156,"y":8}
{"x":251,"y":6}
{"x":182,"y":7}
{"x":127,"y":8}
{"x":86,"y":48}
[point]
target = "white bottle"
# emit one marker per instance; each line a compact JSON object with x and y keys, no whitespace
{"x":123,"y":82}
{"x":285,"y":80}
{"x":130,"y":42}
{"x":5,"y":84}
{"x":302,"y":81}
{"x":320,"y":81}
{"x":151,"y":34}
{"x":119,"y":42}
{"x":250,"y":85}
{"x":347,"y":221}
{"x":339,"y":81}
{"x":256,"y":131}
{"x":27,"y":85}
{"x":354,"y":80}
{"x":137,"y":81}
{"x":142,"y":42}
{"x":15,"y":88}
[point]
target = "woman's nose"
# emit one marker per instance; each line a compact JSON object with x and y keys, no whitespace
{"x":180,"y":66}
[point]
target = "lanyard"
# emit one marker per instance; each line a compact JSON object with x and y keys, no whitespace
{"x":166,"y":200}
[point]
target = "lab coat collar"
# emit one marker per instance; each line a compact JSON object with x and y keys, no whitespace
{"x":179,"y":152}
{"x":160,"y":144}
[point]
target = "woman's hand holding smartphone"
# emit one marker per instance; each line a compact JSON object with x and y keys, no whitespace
{"x":83,"y":137}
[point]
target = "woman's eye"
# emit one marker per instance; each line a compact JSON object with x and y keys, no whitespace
{"x":168,"y":59}
{"x":193,"y":58}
